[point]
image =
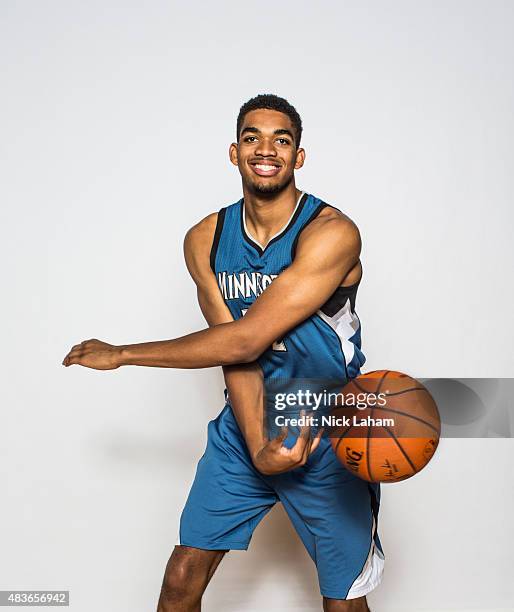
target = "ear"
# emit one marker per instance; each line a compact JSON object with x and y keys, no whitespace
{"x":232,"y":153}
{"x":300,"y":158}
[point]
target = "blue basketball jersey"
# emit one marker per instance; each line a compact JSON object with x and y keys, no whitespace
{"x":327,"y":345}
{"x":334,"y":512}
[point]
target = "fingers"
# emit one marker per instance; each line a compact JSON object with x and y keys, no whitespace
{"x":315,"y":442}
{"x":276,"y":443}
{"x":277,"y":440}
{"x":301,"y":448}
{"x":75,"y":352}
{"x":305,"y":430}
{"x":72,"y":360}
{"x":67,"y":360}
{"x":73,"y":357}
{"x":283,"y":458}
{"x":306,"y":448}
{"x":305,"y":445}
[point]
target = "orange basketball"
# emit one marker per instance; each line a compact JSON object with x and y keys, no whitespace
{"x":385,"y":426}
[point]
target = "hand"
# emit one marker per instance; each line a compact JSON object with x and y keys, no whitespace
{"x":274,"y":458}
{"x":94,"y":354}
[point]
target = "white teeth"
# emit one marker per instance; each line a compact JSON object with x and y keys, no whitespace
{"x":265,"y":168}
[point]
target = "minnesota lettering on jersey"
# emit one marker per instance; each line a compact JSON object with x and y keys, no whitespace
{"x":244,"y":284}
{"x":327,"y":343}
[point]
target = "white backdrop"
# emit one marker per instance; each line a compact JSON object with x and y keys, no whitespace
{"x":116,"y":120}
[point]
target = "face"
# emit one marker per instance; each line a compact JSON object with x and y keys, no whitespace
{"x":266,"y":153}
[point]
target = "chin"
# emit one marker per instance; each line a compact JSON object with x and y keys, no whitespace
{"x":269,"y":188}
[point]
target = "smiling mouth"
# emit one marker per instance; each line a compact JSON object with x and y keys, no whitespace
{"x":265,"y":169}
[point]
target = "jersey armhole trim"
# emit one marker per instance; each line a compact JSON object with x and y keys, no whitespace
{"x":314,"y":214}
{"x":217,"y":235}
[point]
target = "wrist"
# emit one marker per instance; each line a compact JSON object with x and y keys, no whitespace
{"x":121,"y":354}
{"x":255,"y":451}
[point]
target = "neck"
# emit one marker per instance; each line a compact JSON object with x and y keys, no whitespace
{"x":267,"y":215}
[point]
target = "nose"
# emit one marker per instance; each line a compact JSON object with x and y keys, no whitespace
{"x":265,"y":148}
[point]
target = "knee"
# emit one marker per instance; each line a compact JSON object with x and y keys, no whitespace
{"x":183,"y":582}
{"x":345,"y":605}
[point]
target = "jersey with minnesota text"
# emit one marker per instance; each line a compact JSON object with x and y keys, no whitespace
{"x":327,"y":345}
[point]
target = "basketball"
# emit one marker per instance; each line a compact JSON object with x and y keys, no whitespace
{"x":385,"y":426}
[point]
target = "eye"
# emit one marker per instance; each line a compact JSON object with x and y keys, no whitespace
{"x":283,"y":141}
{"x":249,"y":139}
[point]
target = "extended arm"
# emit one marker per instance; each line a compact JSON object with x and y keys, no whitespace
{"x":327,"y":250}
{"x":244,"y":381}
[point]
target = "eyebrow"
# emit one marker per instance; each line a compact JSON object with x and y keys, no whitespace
{"x":255,"y":130}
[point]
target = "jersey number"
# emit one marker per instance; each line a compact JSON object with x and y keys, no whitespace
{"x":278,"y":345}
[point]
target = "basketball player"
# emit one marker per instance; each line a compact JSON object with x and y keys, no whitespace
{"x":290,"y":264}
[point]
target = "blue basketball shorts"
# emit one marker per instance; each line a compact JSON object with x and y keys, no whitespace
{"x":334,"y":512}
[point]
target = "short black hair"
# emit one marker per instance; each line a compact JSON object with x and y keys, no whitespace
{"x":271,"y":102}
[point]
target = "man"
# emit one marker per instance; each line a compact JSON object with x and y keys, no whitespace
{"x":276,"y":275}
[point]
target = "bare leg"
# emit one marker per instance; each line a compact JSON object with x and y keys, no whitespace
{"x":359,"y":604}
{"x":187,"y":575}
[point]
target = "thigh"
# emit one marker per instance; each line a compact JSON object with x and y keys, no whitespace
{"x":228,"y":496}
{"x":336,"y":516}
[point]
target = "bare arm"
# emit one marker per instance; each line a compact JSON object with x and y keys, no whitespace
{"x":244,"y":381}
{"x":327,"y":250}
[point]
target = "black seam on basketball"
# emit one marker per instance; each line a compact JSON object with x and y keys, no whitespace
{"x":343,"y":436}
{"x":381,"y":381}
{"x":367,"y":454}
{"x":367,"y":448}
{"x":406,"y":391}
{"x":411,"y":416}
{"x":401,"y":448}
{"x":367,"y":441}
{"x":337,"y":444}
{"x":363,"y":389}
{"x":360,"y":387}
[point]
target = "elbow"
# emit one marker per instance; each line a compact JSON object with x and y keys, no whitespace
{"x":245,"y":350}
{"x":245,"y":354}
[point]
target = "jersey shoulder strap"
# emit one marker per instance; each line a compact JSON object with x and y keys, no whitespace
{"x":312,"y":208}
{"x":226,"y":218}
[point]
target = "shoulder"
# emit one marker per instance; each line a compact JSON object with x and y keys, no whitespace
{"x":202,"y":231}
{"x":332,"y":228}
{"x":197,"y":246}
{"x":205,"y":230}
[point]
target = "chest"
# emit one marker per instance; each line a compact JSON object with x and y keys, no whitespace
{"x":242,"y":274}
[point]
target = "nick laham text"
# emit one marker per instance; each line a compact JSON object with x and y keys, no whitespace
{"x":331,"y":421}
